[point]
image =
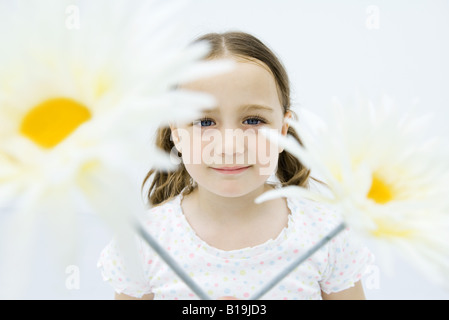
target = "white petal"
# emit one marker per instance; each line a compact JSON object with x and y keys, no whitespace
{"x":291,"y":192}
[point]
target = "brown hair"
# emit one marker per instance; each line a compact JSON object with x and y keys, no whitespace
{"x":290,"y":172}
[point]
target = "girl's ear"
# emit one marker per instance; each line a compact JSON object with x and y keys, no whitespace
{"x":176,"y":138}
{"x":285,"y":126}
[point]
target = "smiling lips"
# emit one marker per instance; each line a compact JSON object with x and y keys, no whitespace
{"x":231,"y":170}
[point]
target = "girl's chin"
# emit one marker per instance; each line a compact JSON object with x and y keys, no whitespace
{"x":235,"y":189}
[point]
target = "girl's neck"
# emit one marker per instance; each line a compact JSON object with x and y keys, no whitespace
{"x":234,"y":223}
{"x":221,"y":208}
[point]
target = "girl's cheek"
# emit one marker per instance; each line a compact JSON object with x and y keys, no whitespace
{"x":267,"y":156}
{"x":190,"y":145}
{"x":209,"y":154}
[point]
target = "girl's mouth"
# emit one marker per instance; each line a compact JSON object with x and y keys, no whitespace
{"x":231,"y":170}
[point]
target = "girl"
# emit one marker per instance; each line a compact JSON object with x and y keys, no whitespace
{"x":204,"y":213}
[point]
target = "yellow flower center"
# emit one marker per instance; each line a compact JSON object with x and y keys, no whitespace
{"x":52,"y":121}
{"x":380,"y":192}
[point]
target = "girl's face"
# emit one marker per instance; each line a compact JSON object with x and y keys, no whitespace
{"x":223,"y":151}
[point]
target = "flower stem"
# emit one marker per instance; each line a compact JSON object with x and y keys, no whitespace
{"x":273,"y":282}
{"x":172,"y":264}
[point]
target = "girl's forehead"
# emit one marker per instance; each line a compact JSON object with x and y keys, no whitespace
{"x":248,"y":84}
{"x":246,"y":108}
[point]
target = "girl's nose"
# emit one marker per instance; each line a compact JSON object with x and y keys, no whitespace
{"x":232,"y":143}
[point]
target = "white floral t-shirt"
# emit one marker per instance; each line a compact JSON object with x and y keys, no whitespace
{"x":240,"y":273}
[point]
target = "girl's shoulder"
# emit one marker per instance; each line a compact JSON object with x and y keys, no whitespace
{"x":321,"y":216}
{"x":168,"y":204}
{"x":165,"y":212}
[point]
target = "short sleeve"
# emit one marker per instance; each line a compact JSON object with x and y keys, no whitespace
{"x":348,"y":260}
{"x":120,"y":274}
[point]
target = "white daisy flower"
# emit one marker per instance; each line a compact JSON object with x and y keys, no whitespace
{"x":83,"y":86}
{"x":384,"y":172}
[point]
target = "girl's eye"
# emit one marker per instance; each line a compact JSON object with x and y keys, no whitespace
{"x":204,"y":122}
{"x":254,"y":121}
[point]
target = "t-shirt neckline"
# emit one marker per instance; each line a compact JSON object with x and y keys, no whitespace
{"x":237,"y":254}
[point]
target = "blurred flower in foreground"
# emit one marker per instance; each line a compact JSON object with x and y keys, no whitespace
{"x":83,"y":84}
{"x":386,"y":175}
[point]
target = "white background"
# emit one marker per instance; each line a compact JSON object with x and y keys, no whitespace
{"x":328,"y":51}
